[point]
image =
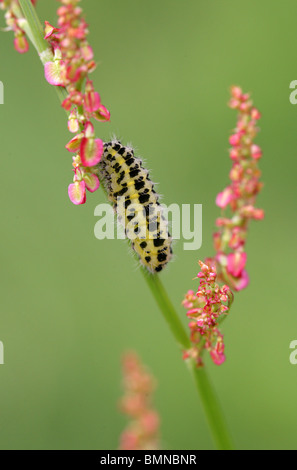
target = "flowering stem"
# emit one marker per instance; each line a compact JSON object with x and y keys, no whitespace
{"x":35,"y":33}
{"x":205,"y":390}
{"x":35,"y":27}
{"x":204,"y":387}
{"x":167,"y":309}
{"x":212,"y":408}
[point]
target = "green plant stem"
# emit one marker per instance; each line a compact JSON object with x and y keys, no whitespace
{"x":35,"y":32}
{"x":35,"y":27}
{"x":167,"y":309}
{"x":212,"y":408}
{"x":205,"y":390}
{"x":203,"y":385}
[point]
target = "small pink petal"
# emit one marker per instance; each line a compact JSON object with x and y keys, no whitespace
{"x":258,"y":214}
{"x":256,"y":152}
{"x":221,"y":258}
{"x":21,"y":44}
{"x":52,"y":72}
{"x":236,"y":92}
{"x":242,"y":282}
{"x":244,"y":107}
{"x":234,"y":103}
{"x":102,"y":114}
{"x":73,"y":125}
{"x":75,"y":143}
{"x":200,"y":322}
{"x":192,"y":311}
{"x":234,"y":154}
{"x":85,"y":198}
{"x":217,"y":358}
{"x":49,"y":30}
{"x":236,"y":263}
{"x":77,"y":192}
{"x":255,"y":114}
{"x":92,"y":101}
{"x":66,"y":104}
{"x":235,"y":139}
{"x":73,"y":73}
{"x":91,"y":151}
{"x":224,"y":198}
{"x":87,"y":53}
{"x":149,"y":422}
{"x":92,"y":66}
{"x":92,"y":182}
{"x":89,"y":130}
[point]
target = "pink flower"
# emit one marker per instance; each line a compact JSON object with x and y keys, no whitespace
{"x":258,"y":214}
{"x":236,"y":262}
{"x":53,"y":73}
{"x":255,"y":114}
{"x":91,"y":99}
{"x":256,"y":152}
{"x":150,"y":422}
{"x":77,"y":192}
{"x":92,"y":182}
{"x":142,"y":432}
{"x":224,"y":198}
{"x":102,"y":114}
{"x":91,"y":151}
{"x":242,"y":281}
{"x":87,"y":53}
{"x":75,"y":143}
{"x":21,"y":44}
{"x":217,"y":358}
{"x":189,"y":299}
{"x":235,"y":139}
{"x":49,"y":30}
{"x":73,"y":124}
{"x":234,"y":154}
{"x":74,"y":72}
{"x":236,"y":92}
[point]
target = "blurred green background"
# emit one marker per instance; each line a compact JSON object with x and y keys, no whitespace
{"x":71,"y":304}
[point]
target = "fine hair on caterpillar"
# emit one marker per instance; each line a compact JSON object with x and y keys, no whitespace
{"x":136,"y":204}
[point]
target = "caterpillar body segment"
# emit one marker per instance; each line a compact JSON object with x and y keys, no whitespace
{"x":137,"y":205}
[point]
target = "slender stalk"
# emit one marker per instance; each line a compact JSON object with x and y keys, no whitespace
{"x":33,"y":28}
{"x":205,"y":390}
{"x":167,"y":309}
{"x":212,"y":409}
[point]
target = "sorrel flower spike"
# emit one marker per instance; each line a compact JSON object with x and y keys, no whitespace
{"x":206,"y":308}
{"x":68,"y":63}
{"x":239,"y":196}
{"x":211,"y":302}
{"x":70,"y":68}
{"x":142,"y":432}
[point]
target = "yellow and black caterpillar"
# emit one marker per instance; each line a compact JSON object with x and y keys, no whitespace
{"x":136,"y":203}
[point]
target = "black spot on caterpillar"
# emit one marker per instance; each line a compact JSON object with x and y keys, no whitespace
{"x":137,"y":206}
